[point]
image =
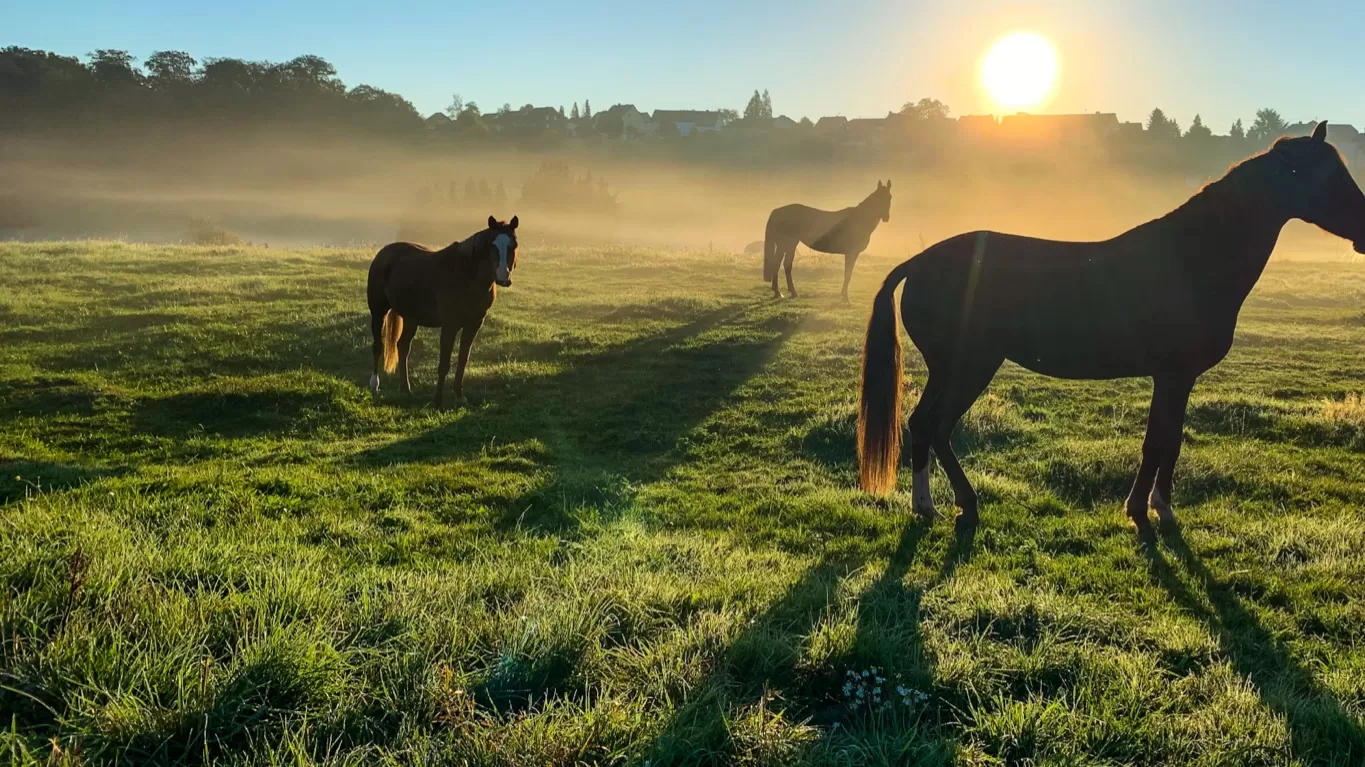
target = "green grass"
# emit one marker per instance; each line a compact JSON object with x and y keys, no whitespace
{"x":643,"y":542}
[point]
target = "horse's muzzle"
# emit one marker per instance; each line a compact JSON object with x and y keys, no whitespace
{"x":504,"y":283}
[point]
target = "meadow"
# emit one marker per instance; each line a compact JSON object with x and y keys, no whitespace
{"x":643,"y":541}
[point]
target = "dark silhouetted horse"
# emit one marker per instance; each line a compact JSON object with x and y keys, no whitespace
{"x":1160,"y":300}
{"x":451,"y":289}
{"x":844,"y":231}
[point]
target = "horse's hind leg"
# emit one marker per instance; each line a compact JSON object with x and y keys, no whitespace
{"x":965,"y":389}
{"x":377,"y":330}
{"x":923,"y":421}
{"x":404,"y":350}
{"x":849,"y":260}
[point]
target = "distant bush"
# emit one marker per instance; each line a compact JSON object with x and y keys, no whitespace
{"x":206,"y":232}
{"x":554,"y":186}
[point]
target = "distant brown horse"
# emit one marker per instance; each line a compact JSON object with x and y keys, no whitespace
{"x":844,"y":231}
{"x":452,"y":289}
{"x":1160,"y":300}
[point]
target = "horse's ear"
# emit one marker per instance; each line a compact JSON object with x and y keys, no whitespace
{"x":888,"y":185}
{"x":492,"y":222}
{"x":513,"y":223}
{"x":1320,"y":132}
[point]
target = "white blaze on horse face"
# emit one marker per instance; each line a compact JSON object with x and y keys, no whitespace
{"x":921,"y":500}
{"x":502,"y":242}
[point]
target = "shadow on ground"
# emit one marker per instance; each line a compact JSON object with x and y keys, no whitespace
{"x":1321,"y":731}
{"x":609,"y":421}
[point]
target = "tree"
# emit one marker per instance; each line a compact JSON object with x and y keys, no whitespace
{"x":806,"y":123}
{"x":1236,"y":131}
{"x":767,"y":105}
{"x":168,"y":68}
{"x":587,"y":110}
{"x":1198,"y":131}
{"x":561,"y":111}
{"x":504,"y":109}
{"x":113,"y":66}
{"x":926,"y":109}
{"x":456,"y":106}
{"x":727,"y":116}
{"x":574,"y":115}
{"x":1162,"y":127}
{"x":1268,"y":125}
{"x":610,"y":124}
{"x":754,"y":109}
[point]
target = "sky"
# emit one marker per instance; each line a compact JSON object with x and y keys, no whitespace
{"x":1222,"y":59}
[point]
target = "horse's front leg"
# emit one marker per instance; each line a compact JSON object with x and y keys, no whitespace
{"x":1169,"y":396}
{"x":466,"y":343}
{"x":448,"y":333}
{"x":849,"y":260}
{"x":1160,"y":499}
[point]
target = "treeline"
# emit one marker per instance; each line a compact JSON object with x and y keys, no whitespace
{"x":48,"y":92}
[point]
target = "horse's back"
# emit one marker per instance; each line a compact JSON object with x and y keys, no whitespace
{"x":402,"y":278}
{"x":1068,"y":309}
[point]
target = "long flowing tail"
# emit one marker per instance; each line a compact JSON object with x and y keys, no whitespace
{"x":879,"y":412}
{"x":771,"y":260}
{"x":393,"y":328}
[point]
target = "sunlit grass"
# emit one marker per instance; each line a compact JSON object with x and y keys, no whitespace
{"x":643,"y":542}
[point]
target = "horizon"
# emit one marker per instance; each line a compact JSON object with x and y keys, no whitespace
{"x":881,"y":56}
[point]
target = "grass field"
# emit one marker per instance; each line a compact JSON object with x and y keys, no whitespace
{"x":643,"y":542}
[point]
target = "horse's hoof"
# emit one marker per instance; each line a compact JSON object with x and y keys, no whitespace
{"x":461,"y":403}
{"x":374,"y":385}
{"x":966,"y":523}
{"x":1163,"y":510}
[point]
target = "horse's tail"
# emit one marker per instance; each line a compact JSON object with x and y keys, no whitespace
{"x":771,"y":259}
{"x":879,"y":412}
{"x":393,"y":328}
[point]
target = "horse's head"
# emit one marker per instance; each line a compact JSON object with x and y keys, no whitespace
{"x":501,"y":254}
{"x":880,"y":200}
{"x":1317,"y":187}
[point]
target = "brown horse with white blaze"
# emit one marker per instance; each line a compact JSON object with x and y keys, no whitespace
{"x":846,"y":231}
{"x":452,"y":289}
{"x":1158,"y":301}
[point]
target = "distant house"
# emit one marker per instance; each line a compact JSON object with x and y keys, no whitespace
{"x":831,"y":125}
{"x":977,"y":126}
{"x":633,"y":121}
{"x":686,"y":120}
{"x":438,"y":122}
{"x":867,"y":130}
{"x":528,"y":120}
{"x":1059,"y":128}
{"x":783,"y":122}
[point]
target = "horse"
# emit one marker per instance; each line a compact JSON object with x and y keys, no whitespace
{"x":844,"y":231}
{"x":411,"y":286}
{"x":1159,"y":301}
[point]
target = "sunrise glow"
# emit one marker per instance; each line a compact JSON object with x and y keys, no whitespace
{"x":1019,"y":71}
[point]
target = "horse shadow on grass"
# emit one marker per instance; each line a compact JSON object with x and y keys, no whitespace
{"x":760,"y":670}
{"x":1320,"y":730}
{"x":610,"y":421}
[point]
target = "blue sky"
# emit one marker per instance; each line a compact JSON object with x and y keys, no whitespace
{"x":1221,"y":58}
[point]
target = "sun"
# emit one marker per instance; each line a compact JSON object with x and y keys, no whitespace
{"x":1019,"y":70}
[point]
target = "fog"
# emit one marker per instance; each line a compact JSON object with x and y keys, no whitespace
{"x":357,"y":192}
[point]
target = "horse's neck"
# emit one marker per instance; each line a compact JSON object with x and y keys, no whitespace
{"x":1224,"y":235}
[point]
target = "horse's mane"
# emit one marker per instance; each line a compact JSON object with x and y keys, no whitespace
{"x":1242,"y":172}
